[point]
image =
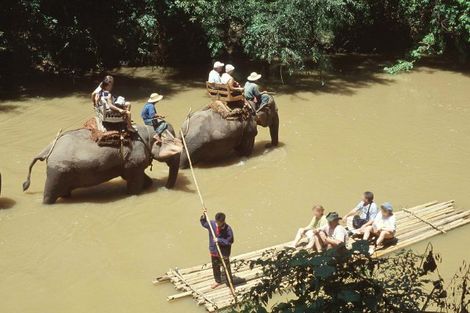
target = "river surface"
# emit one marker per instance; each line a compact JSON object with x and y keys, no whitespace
{"x":404,"y":137}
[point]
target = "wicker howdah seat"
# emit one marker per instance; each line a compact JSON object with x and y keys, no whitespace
{"x":222,"y":92}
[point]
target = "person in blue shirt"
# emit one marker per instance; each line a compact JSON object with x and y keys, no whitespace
{"x":149,"y":113}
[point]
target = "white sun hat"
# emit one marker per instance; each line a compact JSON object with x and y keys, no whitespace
{"x":254,"y":76}
{"x":229,"y":68}
{"x":120,"y":100}
{"x":218,"y":64}
{"x":155,"y":97}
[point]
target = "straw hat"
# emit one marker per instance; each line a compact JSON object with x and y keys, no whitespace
{"x":218,"y":64}
{"x":229,"y":68}
{"x":254,"y":76}
{"x":155,"y":97}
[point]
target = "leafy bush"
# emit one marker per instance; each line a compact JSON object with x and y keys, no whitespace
{"x":341,"y":280}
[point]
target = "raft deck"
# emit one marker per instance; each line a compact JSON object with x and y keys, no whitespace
{"x":413,"y":225}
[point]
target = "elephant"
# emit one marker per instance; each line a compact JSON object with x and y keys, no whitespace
{"x":209,"y":136}
{"x":75,"y":161}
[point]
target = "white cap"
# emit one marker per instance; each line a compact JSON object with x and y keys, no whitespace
{"x":218,"y":64}
{"x":229,"y":68}
{"x":120,"y":100}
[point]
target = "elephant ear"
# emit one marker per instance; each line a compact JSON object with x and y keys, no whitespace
{"x":169,"y":148}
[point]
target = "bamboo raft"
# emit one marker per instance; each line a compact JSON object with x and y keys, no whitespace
{"x":413,"y":225}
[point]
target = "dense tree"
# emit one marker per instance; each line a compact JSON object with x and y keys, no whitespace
{"x":341,"y":280}
{"x":79,"y":35}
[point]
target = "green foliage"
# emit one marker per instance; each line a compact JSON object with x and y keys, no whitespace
{"x":282,"y":31}
{"x":79,"y":35}
{"x":434,"y":26}
{"x":341,"y":280}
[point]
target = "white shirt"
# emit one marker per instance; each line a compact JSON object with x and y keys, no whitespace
{"x":226,"y":77}
{"x":385,"y":223}
{"x":338,"y":233}
{"x":214,"y":77}
{"x":361,"y":210}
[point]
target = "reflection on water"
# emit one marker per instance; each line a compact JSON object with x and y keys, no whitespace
{"x":404,"y":137}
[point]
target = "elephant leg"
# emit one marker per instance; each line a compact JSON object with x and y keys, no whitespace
{"x":274,"y":129}
{"x":246,"y":147}
{"x":54,"y":186}
{"x":147,"y":181}
{"x":135,"y":181}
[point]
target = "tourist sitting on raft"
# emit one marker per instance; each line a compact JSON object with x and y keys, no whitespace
{"x":105,"y":100}
{"x":332,"y":235}
{"x":215,"y":74}
{"x":224,"y":239}
{"x":317,"y":223}
{"x":383,"y":227}
{"x":255,"y":98}
{"x":364,"y":212}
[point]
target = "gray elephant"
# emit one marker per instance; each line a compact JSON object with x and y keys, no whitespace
{"x":211,"y":136}
{"x":77,"y":161}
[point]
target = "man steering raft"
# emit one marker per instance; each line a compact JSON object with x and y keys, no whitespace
{"x":224,"y":239}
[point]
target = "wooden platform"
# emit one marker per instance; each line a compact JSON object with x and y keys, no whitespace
{"x":413,"y":225}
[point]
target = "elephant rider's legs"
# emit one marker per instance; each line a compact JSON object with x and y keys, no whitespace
{"x":257,"y":103}
{"x":170,"y":145}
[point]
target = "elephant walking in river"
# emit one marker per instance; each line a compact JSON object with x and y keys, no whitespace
{"x":77,"y":161}
{"x":210,"y":136}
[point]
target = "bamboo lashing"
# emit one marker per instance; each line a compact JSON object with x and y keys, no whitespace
{"x":222,"y":259}
{"x":425,"y":221}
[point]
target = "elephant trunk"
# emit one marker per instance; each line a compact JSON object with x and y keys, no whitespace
{"x":274,"y":129}
{"x":174,"y":166}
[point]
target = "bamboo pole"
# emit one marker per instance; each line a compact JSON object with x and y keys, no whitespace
{"x":229,"y":279}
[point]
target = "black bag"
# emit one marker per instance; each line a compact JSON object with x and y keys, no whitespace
{"x":359,"y":222}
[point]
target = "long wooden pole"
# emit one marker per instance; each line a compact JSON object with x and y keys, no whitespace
{"x":229,"y":278}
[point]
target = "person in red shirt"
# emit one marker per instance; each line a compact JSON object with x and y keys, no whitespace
{"x":224,"y":238}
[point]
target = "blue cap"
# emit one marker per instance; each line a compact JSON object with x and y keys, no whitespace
{"x":387,"y":206}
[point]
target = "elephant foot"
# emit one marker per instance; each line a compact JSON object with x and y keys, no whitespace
{"x":271,"y":144}
{"x":49,"y":199}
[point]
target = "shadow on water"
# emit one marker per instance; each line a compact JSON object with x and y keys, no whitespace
{"x":347,"y":74}
{"x":131,"y":83}
{"x":260,"y":148}
{"x":6,"y":203}
{"x":116,"y":190}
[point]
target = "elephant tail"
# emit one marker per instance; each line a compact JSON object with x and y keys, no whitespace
{"x":40,"y":157}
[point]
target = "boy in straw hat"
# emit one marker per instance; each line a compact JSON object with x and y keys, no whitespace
{"x":256,"y":98}
{"x":150,"y":116}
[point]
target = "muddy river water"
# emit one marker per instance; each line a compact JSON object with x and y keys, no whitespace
{"x":404,"y":137}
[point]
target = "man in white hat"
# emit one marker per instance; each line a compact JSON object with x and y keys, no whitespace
{"x":252,"y":93}
{"x":214,"y":75}
{"x":149,"y":113}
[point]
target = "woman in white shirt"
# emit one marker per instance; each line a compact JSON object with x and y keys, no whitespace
{"x":227,"y":78}
{"x":384,"y":225}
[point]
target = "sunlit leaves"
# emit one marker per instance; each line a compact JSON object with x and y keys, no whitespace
{"x":341,"y":280}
